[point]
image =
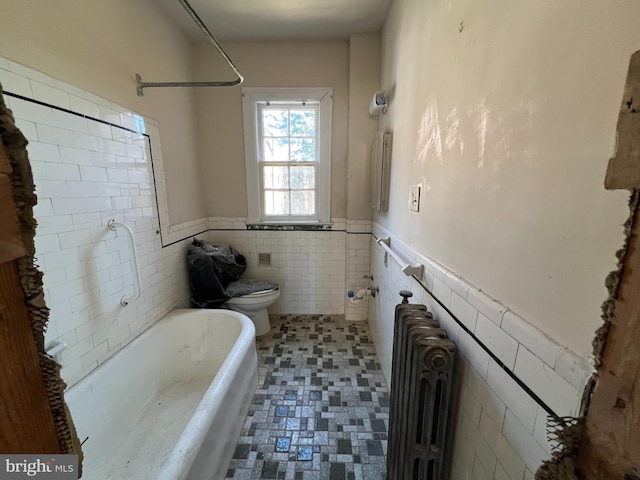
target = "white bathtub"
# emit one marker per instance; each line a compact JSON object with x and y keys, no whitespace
{"x":171,"y":404}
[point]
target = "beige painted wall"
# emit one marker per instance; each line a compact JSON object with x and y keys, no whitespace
{"x":508,"y":126}
{"x":364,"y":80}
{"x":99,"y":46}
{"x":265,"y":64}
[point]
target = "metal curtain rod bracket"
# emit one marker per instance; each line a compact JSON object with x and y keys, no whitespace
{"x":141,"y":85}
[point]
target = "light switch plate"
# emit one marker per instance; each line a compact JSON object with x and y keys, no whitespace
{"x":414,"y":198}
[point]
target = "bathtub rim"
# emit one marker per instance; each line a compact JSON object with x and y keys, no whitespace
{"x":184,"y":453}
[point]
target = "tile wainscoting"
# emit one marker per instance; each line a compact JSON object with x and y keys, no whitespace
{"x":499,"y":429}
{"x":315,"y":269}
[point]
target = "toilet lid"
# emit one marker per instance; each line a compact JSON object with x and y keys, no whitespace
{"x":250,"y":287}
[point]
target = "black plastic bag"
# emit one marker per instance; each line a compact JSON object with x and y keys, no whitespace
{"x":211,"y":269}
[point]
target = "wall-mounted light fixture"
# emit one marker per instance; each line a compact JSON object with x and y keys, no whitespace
{"x":378,"y":103}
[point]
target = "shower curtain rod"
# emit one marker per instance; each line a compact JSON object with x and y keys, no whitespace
{"x":141,"y":85}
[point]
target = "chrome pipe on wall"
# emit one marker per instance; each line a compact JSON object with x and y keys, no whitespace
{"x":194,"y":16}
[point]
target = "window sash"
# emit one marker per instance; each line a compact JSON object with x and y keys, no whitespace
{"x":252,"y":99}
{"x":262,"y":163}
{"x":288,"y":165}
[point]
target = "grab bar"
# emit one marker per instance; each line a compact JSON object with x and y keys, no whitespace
{"x":124,"y":301}
{"x":194,"y":16}
{"x":407,"y":268}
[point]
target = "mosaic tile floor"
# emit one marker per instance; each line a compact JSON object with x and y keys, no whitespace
{"x":322,"y":404}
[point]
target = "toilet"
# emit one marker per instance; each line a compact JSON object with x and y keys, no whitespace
{"x":254,"y":305}
{"x":216,"y":281}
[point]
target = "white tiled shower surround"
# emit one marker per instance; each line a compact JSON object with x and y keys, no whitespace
{"x":500,"y":431}
{"x":87,"y":172}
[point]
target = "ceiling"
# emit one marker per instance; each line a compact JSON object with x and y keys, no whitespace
{"x":251,"y":20}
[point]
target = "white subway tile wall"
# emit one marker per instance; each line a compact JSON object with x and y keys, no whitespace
{"x":358,"y":251}
{"x":308,"y":265}
{"x":499,"y":430}
{"x":315,"y":269}
{"x":87,"y":172}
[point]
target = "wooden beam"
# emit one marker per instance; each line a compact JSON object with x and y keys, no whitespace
{"x":623,"y":171}
{"x":611,"y":446}
{"x":27,"y":424}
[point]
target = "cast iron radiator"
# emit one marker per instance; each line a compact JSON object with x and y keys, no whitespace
{"x":421,"y":384}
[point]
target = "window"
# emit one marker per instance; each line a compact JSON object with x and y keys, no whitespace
{"x":288,"y":154}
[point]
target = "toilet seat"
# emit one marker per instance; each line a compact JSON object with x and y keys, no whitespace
{"x":255,"y":299}
{"x":261,"y":293}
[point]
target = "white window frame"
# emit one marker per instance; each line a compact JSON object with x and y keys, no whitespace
{"x":251,"y":98}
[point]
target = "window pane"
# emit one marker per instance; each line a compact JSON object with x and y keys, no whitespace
{"x":276,"y":149}
{"x":276,"y":202}
{"x":303,"y":202}
{"x":303,"y":150}
{"x":303,"y":123}
{"x":303,"y":178}
{"x":274,"y":123}
{"x":276,"y":177}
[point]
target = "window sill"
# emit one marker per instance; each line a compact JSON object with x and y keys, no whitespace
{"x":306,"y":226}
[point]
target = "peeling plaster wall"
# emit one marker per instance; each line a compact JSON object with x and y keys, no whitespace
{"x":505,"y":112}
